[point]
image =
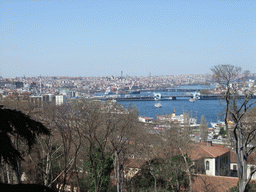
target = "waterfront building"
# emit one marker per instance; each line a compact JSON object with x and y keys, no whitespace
{"x":146,"y":119}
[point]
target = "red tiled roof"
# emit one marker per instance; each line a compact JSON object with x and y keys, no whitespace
{"x":251,"y":158}
{"x":203,"y":150}
{"x":147,"y":118}
{"x":204,"y":183}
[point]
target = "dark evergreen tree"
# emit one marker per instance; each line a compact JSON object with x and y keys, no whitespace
{"x":251,"y":187}
{"x":99,"y":168}
{"x":170,"y":180}
{"x":16,"y":125}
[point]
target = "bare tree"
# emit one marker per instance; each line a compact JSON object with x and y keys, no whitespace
{"x":106,"y":129}
{"x":64,"y":127}
{"x":65,"y":151}
{"x":165,"y":151}
{"x":54,"y":155}
{"x":125,"y":130}
{"x":182,"y":143}
{"x":237,"y":106}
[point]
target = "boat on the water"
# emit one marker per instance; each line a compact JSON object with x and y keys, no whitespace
{"x":158,"y":105}
{"x":192,"y":100}
{"x":178,"y":118}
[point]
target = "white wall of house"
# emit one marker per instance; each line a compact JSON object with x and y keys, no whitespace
{"x":141,"y":119}
{"x":145,"y":119}
{"x":218,"y":166}
{"x":249,"y":166}
{"x":233,"y":166}
{"x":211,"y":170}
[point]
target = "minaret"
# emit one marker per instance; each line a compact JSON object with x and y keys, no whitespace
{"x":40,"y":85}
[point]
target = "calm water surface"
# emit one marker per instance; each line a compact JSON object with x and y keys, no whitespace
{"x":211,"y":109}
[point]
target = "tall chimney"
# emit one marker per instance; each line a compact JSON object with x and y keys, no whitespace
{"x":209,"y":143}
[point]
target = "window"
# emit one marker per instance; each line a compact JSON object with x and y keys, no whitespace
{"x":234,"y":167}
{"x":207,"y":165}
{"x":216,"y":165}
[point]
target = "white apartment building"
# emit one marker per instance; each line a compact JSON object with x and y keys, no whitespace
{"x":60,"y":99}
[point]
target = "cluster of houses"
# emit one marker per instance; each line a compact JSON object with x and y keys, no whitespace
{"x":213,"y":164}
{"x":214,"y":167}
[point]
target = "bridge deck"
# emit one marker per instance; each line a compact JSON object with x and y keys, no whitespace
{"x":164,"y":98}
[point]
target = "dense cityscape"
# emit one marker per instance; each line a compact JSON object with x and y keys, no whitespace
{"x":127,"y":96}
{"x":66,"y":91}
{"x":86,"y":86}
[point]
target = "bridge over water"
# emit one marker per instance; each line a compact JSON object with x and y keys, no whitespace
{"x":175,"y":90}
{"x":183,"y":89}
{"x":164,"y":97}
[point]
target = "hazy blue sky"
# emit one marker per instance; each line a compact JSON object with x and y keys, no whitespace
{"x":105,"y":37}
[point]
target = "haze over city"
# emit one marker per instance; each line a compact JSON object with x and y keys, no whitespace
{"x":105,"y":37}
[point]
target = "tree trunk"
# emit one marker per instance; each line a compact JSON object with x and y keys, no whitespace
{"x":153,"y":176}
{"x":18,"y":168}
{"x":241,"y":162}
{"x":8,"y":174}
{"x":77,"y":175}
{"x":64,"y":180}
{"x":117,"y":172}
{"x":3,"y":175}
{"x":155,"y":184}
{"x":189,"y":175}
{"x":122,"y":174}
{"x":65,"y":169}
{"x":17,"y":172}
{"x":47,"y":170}
{"x":97,"y":188}
{"x":177,"y":185}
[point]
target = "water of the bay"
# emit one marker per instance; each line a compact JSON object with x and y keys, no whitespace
{"x":211,"y":109}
